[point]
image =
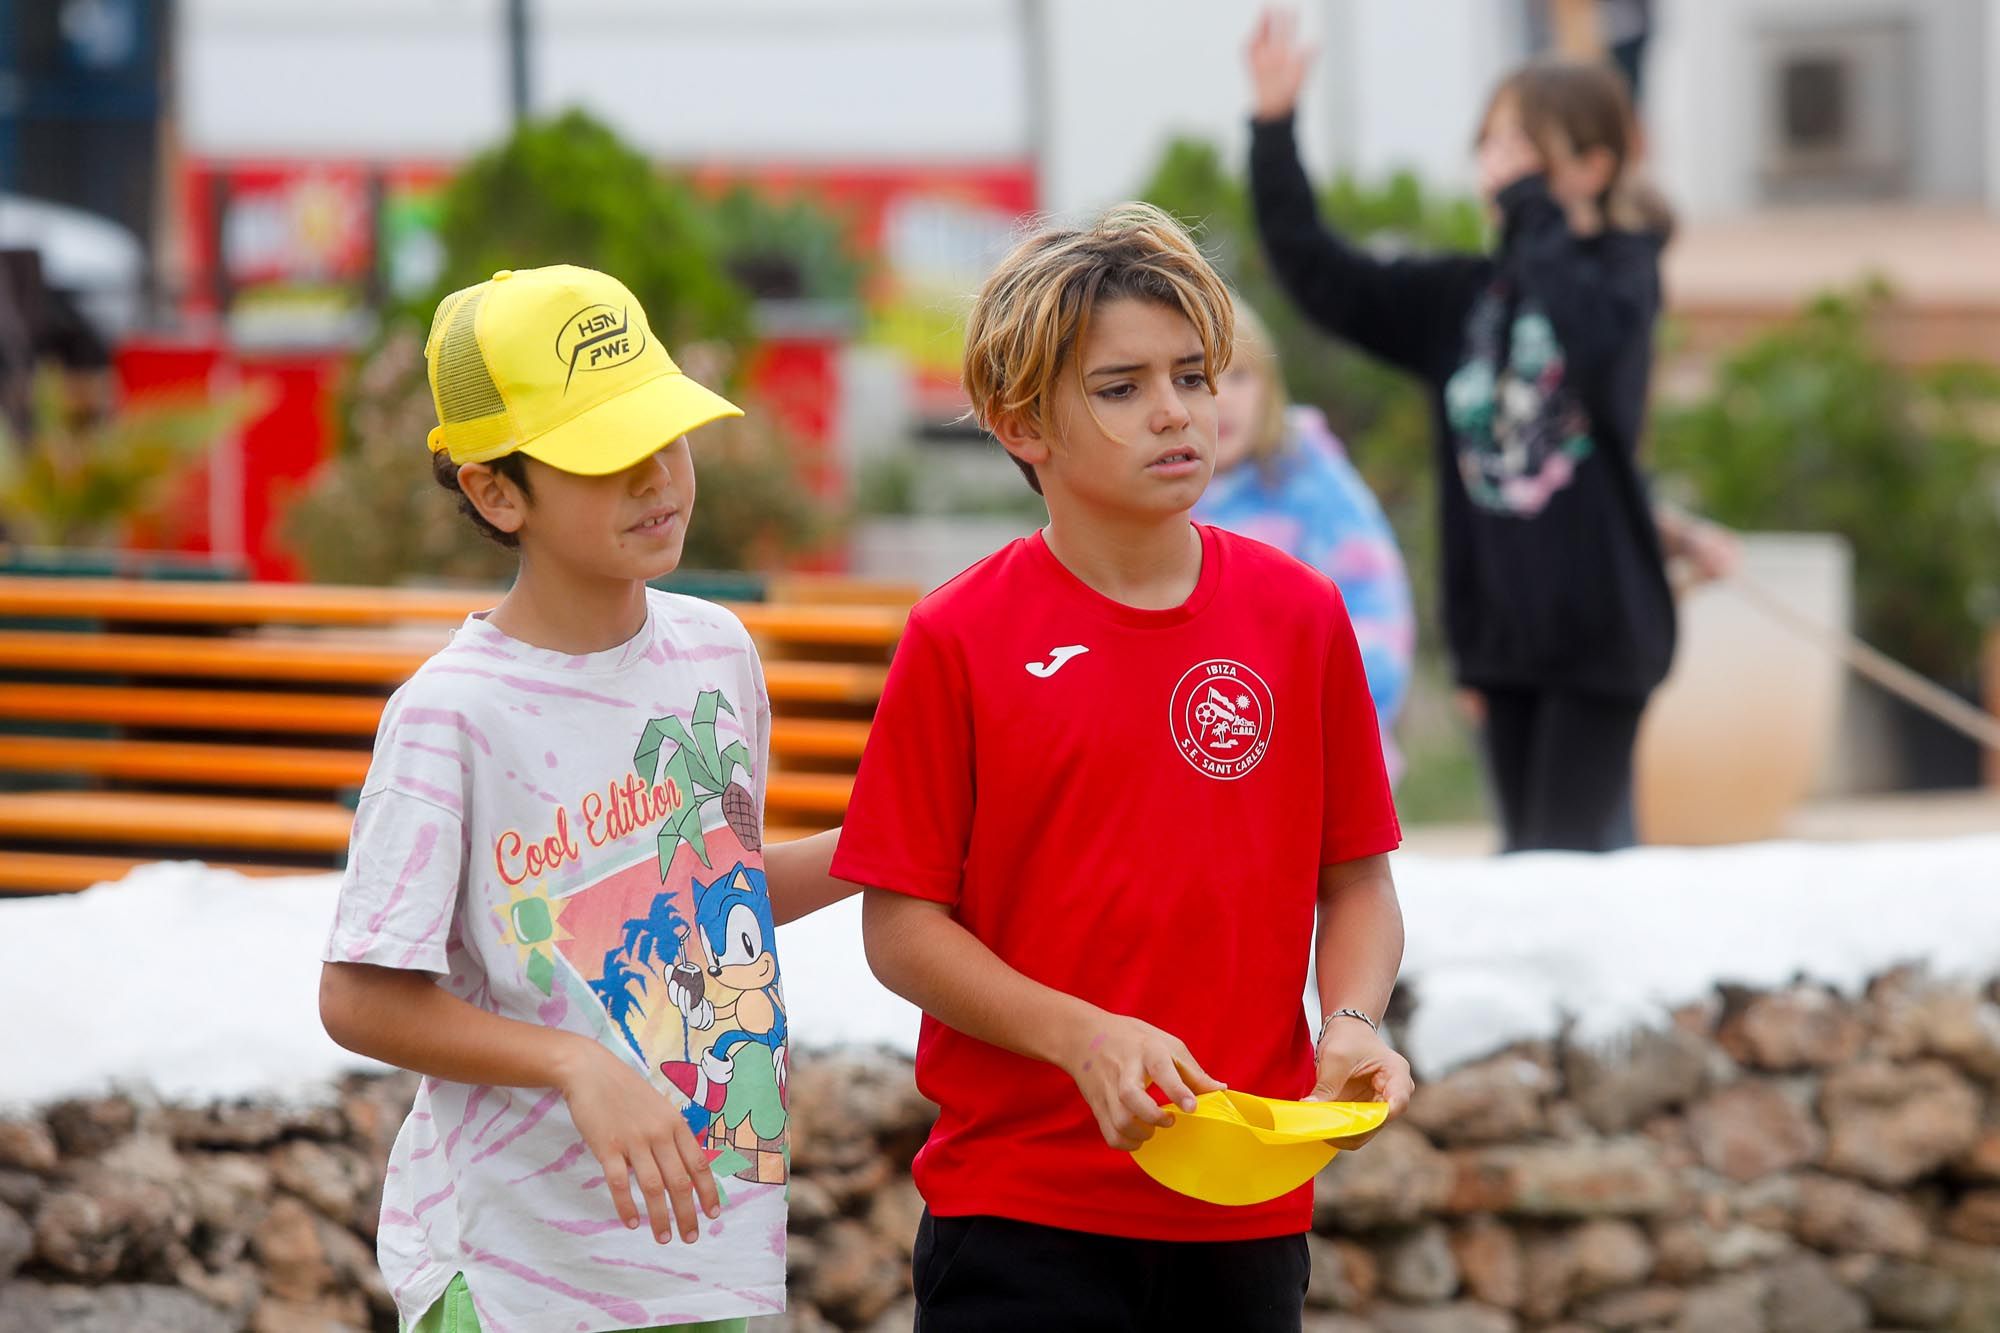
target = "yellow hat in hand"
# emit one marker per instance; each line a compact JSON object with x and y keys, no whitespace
{"x":1237,"y":1148}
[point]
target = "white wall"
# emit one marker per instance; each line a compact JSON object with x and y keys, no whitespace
{"x":802,"y":80}
{"x":1399,"y":82}
{"x":1707,"y":108}
{"x":420,"y":78}
{"x":1415,"y":80}
{"x":756,"y":80}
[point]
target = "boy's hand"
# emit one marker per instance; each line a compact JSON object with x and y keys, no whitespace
{"x":1114,"y":1059}
{"x":633,"y":1129}
{"x":1278,"y":64}
{"x":1356,"y":1065}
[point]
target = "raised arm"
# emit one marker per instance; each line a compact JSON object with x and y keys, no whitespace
{"x":1396,"y":309}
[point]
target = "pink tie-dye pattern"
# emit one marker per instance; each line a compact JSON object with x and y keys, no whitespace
{"x":615,"y":1306}
{"x":435,"y":750}
{"x":413,"y":865}
{"x":563,"y":1163}
{"x":610,"y":1262}
{"x":528,"y":685}
{"x":445,"y":800}
{"x":595,"y":1226}
{"x":444,"y":717}
{"x":471,"y":1109}
{"x":494,"y":1119}
{"x":429,"y":1202}
{"x":659,"y":654}
{"x":1364,"y":558}
{"x":423,"y":941}
{"x":424,"y":1266}
{"x":488,"y":1321}
{"x":552,"y":1265}
{"x":528,"y":1122}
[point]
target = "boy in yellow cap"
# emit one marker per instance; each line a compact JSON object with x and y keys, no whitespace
{"x":557,"y":906}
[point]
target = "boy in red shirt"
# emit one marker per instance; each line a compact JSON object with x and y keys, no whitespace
{"x":1117,"y":767}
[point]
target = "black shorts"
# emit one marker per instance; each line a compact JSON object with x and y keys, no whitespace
{"x":996,"y":1275}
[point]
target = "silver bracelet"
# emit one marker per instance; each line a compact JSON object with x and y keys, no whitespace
{"x":1373,"y":1026}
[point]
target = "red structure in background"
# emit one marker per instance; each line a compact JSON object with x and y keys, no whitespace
{"x":293,"y":256}
{"x":233,"y":503}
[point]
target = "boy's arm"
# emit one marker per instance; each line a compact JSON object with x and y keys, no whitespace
{"x":404,"y":1018}
{"x":796,"y":873}
{"x":918,"y":951}
{"x":1357,"y":951}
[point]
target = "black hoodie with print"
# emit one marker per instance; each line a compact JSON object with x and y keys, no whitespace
{"x":1537,"y":359}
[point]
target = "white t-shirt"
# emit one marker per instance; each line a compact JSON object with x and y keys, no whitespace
{"x":575,"y":842}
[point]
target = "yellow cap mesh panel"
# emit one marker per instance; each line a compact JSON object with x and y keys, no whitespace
{"x":471,"y":413}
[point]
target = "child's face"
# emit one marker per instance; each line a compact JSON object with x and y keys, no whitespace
{"x":1137,"y":435}
{"x":1507,"y":152}
{"x":1239,"y":411}
{"x":627,"y":525}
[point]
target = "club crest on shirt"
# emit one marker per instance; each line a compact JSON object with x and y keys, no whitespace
{"x":1221,"y":716}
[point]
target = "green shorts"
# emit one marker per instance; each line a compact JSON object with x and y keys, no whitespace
{"x":453,"y":1313}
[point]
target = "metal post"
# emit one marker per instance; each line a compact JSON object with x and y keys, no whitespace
{"x":1033,"y":28}
{"x":517,"y":57}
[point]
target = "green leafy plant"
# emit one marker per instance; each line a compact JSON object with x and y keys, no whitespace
{"x":564,"y":190}
{"x":703,"y":773}
{"x":751,"y":509}
{"x":569,"y":191}
{"x":372,"y":513}
{"x":1812,"y":428}
{"x":78,"y":479}
{"x":791,"y":249}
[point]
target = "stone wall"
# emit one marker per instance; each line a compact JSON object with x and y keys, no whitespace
{"x":1773,"y":1163}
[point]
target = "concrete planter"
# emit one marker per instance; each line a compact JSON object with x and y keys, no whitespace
{"x":1744,"y":726}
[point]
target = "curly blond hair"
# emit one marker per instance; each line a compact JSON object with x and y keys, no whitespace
{"x":1034,"y":311}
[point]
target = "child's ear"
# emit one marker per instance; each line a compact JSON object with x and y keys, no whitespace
{"x":498,"y":500}
{"x":1023,"y":438}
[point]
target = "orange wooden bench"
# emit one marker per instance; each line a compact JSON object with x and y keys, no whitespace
{"x":232,"y":722}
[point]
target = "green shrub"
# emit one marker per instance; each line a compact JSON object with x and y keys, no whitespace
{"x":1811,"y":428}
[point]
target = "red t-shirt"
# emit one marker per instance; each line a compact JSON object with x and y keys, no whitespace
{"x":1132,"y":807}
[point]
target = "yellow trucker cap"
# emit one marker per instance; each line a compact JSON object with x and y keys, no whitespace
{"x":557,"y":363}
{"x":1236,"y":1148}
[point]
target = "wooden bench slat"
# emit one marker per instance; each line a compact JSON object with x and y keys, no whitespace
{"x":299,"y":661}
{"x":194,"y":710}
{"x":169,"y":601}
{"x":819,"y":793}
{"x":61,"y":872}
{"x":195,"y":764}
{"x":323,"y":661}
{"x":818,"y":738}
{"x":869,"y":620}
{"x":175,"y":821}
{"x":334,"y":662}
